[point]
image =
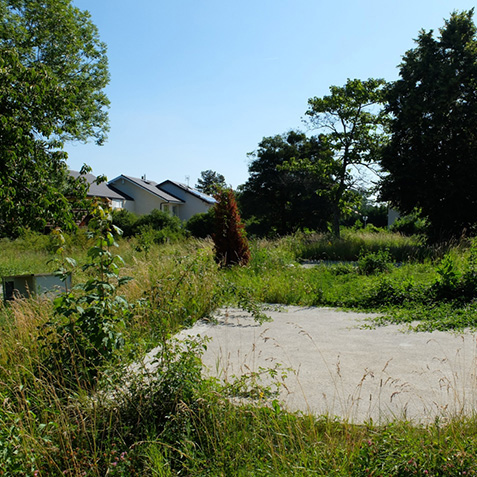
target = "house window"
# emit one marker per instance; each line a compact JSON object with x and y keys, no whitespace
{"x":174,"y":210}
{"x":165,"y":207}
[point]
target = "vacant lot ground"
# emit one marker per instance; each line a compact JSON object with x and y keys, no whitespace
{"x":337,"y":365}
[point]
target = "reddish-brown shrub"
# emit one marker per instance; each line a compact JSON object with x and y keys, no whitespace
{"x":231,"y":244}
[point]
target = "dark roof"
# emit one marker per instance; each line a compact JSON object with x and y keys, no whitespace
{"x":150,"y":186}
{"x":100,"y":190}
{"x":191,"y":190}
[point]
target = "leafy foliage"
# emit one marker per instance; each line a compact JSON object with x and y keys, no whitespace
{"x":201,"y":225}
{"x":87,"y":328}
{"x":156,"y":227}
{"x":411,"y":224}
{"x":375,"y":262}
{"x":124,"y":220}
{"x":276,"y":200}
{"x":210,"y":182}
{"x":352,"y":128}
{"x":158,"y":220}
{"x":53,"y":69}
{"x":431,"y":157}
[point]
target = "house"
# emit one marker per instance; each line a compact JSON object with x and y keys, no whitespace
{"x":173,"y":197}
{"x":195,"y":202}
{"x":142,"y":196}
{"x":103,"y":191}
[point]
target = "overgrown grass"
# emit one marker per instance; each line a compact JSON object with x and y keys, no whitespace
{"x":256,"y":440}
{"x":352,"y":244}
{"x":167,"y":420}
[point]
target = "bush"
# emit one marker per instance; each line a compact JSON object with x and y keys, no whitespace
{"x":201,"y":225}
{"x":88,"y":322}
{"x":231,"y":244}
{"x":375,"y":262}
{"x":125,"y":220}
{"x":410,"y":224}
{"x":158,"y":220}
{"x":158,"y":226}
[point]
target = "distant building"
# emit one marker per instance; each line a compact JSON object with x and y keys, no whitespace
{"x":173,"y":197}
{"x":103,"y":191}
{"x":142,"y":196}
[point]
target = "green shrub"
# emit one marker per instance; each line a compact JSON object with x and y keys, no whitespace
{"x":201,"y":225}
{"x":411,"y":224}
{"x":125,"y":220}
{"x":375,"y":262}
{"x":88,"y":321}
{"x":448,"y":284}
{"x":158,"y":220}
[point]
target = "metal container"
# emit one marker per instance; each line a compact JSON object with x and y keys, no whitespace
{"x":22,"y":286}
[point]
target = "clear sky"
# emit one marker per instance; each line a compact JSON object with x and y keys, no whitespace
{"x":196,"y":84}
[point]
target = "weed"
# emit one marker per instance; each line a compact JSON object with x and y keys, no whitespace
{"x":374,"y":262}
{"x":167,"y":419}
{"x":87,"y":327}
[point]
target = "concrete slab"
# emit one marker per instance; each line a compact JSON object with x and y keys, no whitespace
{"x":338,"y":367}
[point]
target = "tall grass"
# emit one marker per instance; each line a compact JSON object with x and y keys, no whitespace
{"x":167,"y":419}
{"x":353,"y":243}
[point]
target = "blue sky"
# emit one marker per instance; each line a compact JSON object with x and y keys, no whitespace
{"x":196,"y":84}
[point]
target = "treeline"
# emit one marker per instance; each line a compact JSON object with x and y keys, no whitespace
{"x":411,"y":143}
{"x":413,"y":140}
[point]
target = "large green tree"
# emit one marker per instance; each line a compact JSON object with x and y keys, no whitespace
{"x":431,"y":158}
{"x":351,"y":122}
{"x":278,"y":200}
{"x":210,"y":182}
{"x":53,"y":70}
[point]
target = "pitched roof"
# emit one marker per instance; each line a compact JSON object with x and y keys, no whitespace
{"x":191,"y":190}
{"x":151,"y":187}
{"x":100,"y":190}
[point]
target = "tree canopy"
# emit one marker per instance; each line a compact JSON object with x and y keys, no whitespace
{"x":53,"y":69}
{"x":351,"y":124}
{"x":210,"y":182}
{"x":431,"y":158}
{"x":275,"y":200}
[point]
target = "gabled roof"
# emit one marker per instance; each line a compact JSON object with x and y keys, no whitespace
{"x":204,"y":197}
{"x":102,"y":190}
{"x":150,"y":186}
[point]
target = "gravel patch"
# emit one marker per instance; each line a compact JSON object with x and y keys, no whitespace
{"x":336,"y":365}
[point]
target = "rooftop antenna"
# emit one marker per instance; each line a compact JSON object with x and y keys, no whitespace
{"x":187,"y":178}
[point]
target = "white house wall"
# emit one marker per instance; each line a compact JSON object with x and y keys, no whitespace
{"x":144,"y":202}
{"x":393,"y":215}
{"x":193,"y":205}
